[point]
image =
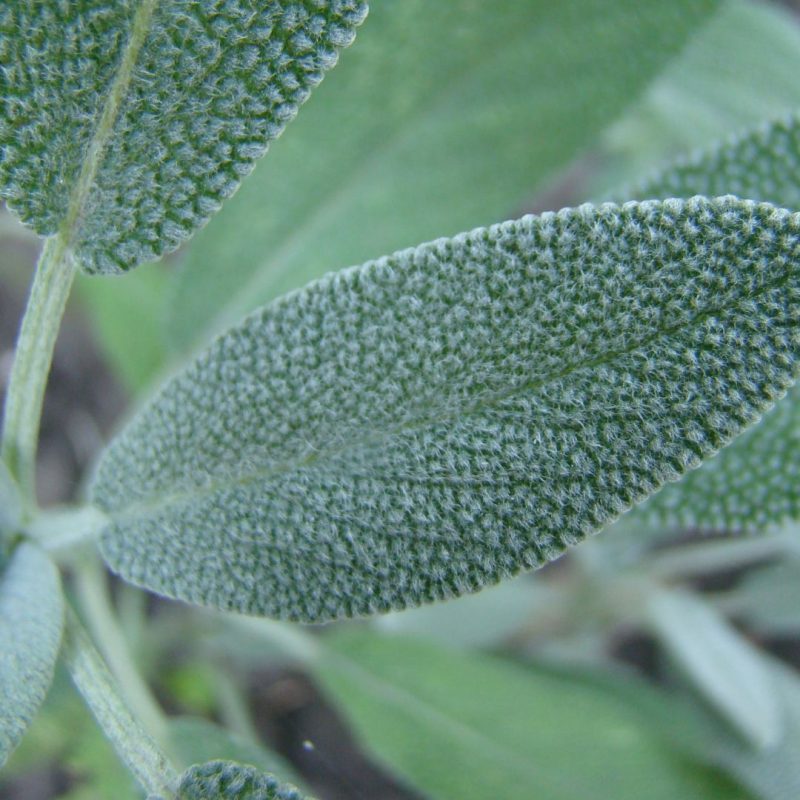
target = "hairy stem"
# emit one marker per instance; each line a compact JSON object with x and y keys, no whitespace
{"x":134,"y":745}
{"x":34,"y":354}
{"x":95,"y":601}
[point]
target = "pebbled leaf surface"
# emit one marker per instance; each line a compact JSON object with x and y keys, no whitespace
{"x":447,"y":416}
{"x":227,"y":780}
{"x":31,"y":619}
{"x":125,"y":124}
{"x":754,"y":484}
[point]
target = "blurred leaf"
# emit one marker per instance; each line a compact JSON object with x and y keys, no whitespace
{"x":727,"y":670}
{"x":768,"y":598}
{"x":444,"y":116}
{"x":477,"y":727}
{"x":355,"y":447}
{"x":128,"y":318}
{"x":196,"y":741}
{"x":31,"y":621}
{"x":740,"y":69}
{"x":113,"y":137}
{"x":226,"y":780}
{"x":477,"y":620}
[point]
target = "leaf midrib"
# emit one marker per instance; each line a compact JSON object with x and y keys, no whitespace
{"x":151,"y":508}
{"x":96,"y":148}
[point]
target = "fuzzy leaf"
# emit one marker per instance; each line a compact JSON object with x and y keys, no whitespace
{"x":754,"y":484}
{"x":496,"y":95}
{"x":472,"y":727}
{"x":31,"y":620}
{"x":124,"y":125}
{"x":445,"y":417}
{"x":227,"y":780}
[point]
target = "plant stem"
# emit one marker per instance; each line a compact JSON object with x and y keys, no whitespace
{"x":52,"y":281}
{"x":92,"y":589}
{"x":101,"y":693}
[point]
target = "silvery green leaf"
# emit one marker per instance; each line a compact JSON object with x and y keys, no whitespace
{"x":124,"y":125}
{"x":753,"y":484}
{"x":726,"y":669}
{"x":445,"y":417}
{"x":435,"y":100}
{"x":31,"y":620}
{"x":227,"y":780}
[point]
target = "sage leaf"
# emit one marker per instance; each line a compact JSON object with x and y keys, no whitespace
{"x":753,"y":485}
{"x":726,"y":669}
{"x":124,"y":125}
{"x":470,"y":726}
{"x":499,"y":95}
{"x":227,"y":780}
{"x":445,"y":417}
{"x":31,"y":620}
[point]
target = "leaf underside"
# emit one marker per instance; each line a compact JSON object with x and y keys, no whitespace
{"x":126,"y":124}
{"x":31,"y":618}
{"x":227,"y":780}
{"x":754,"y":484}
{"x":442,"y":418}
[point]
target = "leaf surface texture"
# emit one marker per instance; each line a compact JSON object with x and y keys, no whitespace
{"x":444,"y":417}
{"x":31,"y":620}
{"x":227,"y":780}
{"x":124,"y":125}
{"x":752,"y":485}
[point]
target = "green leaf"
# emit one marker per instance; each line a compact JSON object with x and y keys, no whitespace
{"x":123,"y":126}
{"x":469,"y":105}
{"x":724,"y":667}
{"x":127,"y":316}
{"x":227,"y":780}
{"x":738,"y":70}
{"x":445,"y":417}
{"x":195,"y":741}
{"x":31,"y":620}
{"x":754,"y":484}
{"x":475,"y":727}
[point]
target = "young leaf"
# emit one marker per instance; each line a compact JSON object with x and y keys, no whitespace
{"x":445,"y":417}
{"x":31,"y":620}
{"x":435,"y":100}
{"x":123,"y":126}
{"x":476,"y":727}
{"x":227,"y":780}
{"x":754,"y":484}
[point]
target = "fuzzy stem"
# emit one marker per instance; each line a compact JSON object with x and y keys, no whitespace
{"x":102,"y":694}
{"x":52,"y":281}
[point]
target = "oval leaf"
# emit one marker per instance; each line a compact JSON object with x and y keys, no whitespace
{"x":31,"y":620}
{"x":124,"y":125}
{"x":227,"y":780}
{"x":442,"y":418}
